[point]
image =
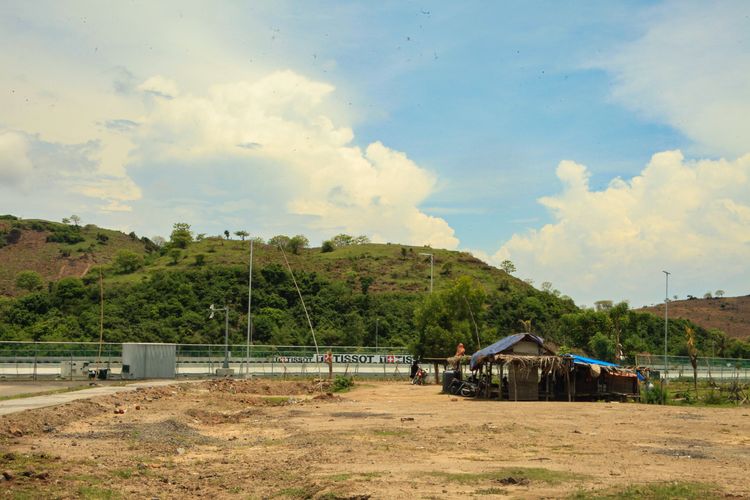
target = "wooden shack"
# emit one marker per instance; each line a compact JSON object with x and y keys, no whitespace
{"x":518,"y":359}
{"x":529,"y":371}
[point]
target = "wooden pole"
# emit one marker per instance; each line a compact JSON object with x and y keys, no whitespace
{"x":567,"y":382}
{"x":437,"y":377}
{"x":500,"y":397}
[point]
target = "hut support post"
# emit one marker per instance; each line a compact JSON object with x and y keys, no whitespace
{"x":574,"y":385}
{"x":437,"y":375}
{"x":567,"y":382}
{"x":488,"y":389}
{"x":546,"y":388}
{"x":500,"y":378}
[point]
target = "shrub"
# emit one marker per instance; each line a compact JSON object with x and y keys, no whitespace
{"x":653,"y":396}
{"x":200,"y":259}
{"x":127,"y":262}
{"x":714,"y":398}
{"x":175,"y":254}
{"x":29,"y":281}
{"x":13,"y":235}
{"x":65,"y":234}
{"x":342,"y":383}
{"x":327,"y":246}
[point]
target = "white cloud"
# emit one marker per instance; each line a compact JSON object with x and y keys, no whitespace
{"x":689,"y":217}
{"x":283,"y":119}
{"x":691,"y":70}
{"x":15,"y":165}
{"x":30,"y":166}
{"x":159,"y":86}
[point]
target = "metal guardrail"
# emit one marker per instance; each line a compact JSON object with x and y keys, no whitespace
{"x":677,"y":367}
{"x":71,"y":360}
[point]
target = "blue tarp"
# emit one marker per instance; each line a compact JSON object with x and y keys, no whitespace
{"x":581,"y":360}
{"x":501,"y":345}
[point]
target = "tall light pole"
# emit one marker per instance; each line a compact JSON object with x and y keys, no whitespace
{"x":249,"y":317}
{"x":226,"y":331}
{"x":666,"y":332}
{"x":432,"y":265}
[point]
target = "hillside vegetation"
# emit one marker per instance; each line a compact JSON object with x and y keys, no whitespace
{"x":354,"y":291}
{"x":728,"y":314}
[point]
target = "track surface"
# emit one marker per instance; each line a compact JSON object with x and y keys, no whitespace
{"x":270,"y":438}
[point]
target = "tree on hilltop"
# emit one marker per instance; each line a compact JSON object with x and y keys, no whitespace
{"x":508,"y":266}
{"x":242,"y":234}
{"x":297,"y":243}
{"x":181,"y":235}
{"x":279,"y":240}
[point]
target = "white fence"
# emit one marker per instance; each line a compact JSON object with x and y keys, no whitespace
{"x":718,"y":369}
{"x":73,"y":360}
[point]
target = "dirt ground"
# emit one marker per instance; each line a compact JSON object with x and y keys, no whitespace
{"x":282,"y":439}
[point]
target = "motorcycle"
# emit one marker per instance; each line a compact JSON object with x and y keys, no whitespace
{"x":419,"y":377}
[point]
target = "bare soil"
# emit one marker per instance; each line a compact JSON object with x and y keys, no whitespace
{"x":293,"y":439}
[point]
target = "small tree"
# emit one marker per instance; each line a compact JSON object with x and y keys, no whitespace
{"x":175,"y":255}
{"x":226,"y":233}
{"x":159,"y":241}
{"x":365,"y":282}
{"x":508,"y":266}
{"x":181,"y":235}
{"x":29,"y":281}
{"x":127,"y":262}
{"x":719,"y":293}
{"x":279,"y":240}
{"x":14,"y":235}
{"x":75,"y":220}
{"x":242,"y":234}
{"x":603,"y":305}
{"x":693,"y":354}
{"x":342,"y":240}
{"x":327,"y":246}
{"x":602,"y":346}
{"x":546,"y":286}
{"x":65,"y":220}
{"x":297,"y":243}
{"x":707,"y":295}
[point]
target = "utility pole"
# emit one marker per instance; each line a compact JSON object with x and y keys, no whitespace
{"x":249,"y":309}
{"x":213,"y":309}
{"x":666,"y":333}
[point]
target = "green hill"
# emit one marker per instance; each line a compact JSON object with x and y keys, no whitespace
{"x":353,"y":292}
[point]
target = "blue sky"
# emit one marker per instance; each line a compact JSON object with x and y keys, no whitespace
{"x":592,"y":143}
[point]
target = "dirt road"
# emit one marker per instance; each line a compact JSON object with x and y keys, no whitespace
{"x":266,"y":439}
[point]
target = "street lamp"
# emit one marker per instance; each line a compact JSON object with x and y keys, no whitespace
{"x":432,"y":265}
{"x":213,"y":309}
{"x":666,"y":330}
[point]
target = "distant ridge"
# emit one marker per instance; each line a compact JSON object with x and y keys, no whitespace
{"x":728,"y":314}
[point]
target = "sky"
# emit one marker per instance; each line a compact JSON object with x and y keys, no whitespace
{"x":593,"y":144}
